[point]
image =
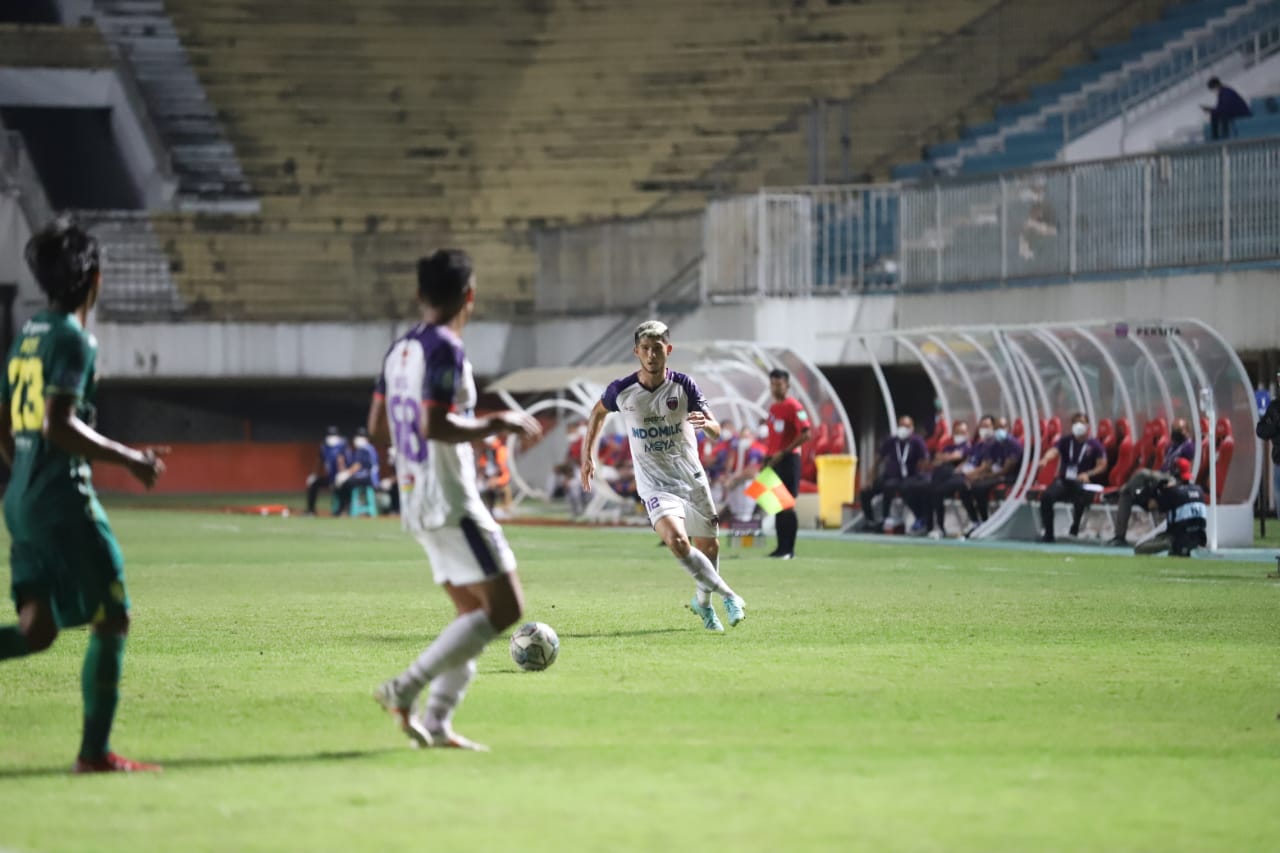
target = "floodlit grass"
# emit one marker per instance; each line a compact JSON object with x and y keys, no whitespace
{"x":879,"y":697}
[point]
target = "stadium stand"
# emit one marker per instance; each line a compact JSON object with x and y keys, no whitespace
{"x":469,"y":124}
{"x":1187,"y":39}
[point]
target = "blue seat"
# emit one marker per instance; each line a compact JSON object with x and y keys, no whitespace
{"x":364,"y":501}
{"x":911,"y":171}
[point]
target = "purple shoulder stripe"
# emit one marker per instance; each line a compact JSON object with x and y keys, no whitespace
{"x":610,"y":396}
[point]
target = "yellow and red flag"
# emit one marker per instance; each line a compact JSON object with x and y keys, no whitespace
{"x":768,"y":491}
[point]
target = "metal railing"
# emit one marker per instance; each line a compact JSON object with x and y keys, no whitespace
{"x":1251,"y":30}
{"x":1204,"y":206}
{"x":801,"y":242}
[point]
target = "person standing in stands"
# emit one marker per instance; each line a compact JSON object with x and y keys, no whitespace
{"x":1223,"y":114}
{"x":788,"y":430}
{"x":331,"y":461}
{"x":1081,"y":461}
{"x":1181,"y":446}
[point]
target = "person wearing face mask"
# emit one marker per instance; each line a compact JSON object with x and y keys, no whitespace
{"x":998,"y":464}
{"x":1146,"y":481}
{"x":1081,"y":460}
{"x":954,"y":471}
{"x":361,"y":471}
{"x":899,"y":459}
{"x":948,"y":477}
{"x":331,"y":461}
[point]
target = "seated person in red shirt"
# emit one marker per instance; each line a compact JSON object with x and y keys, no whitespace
{"x":1081,"y":460}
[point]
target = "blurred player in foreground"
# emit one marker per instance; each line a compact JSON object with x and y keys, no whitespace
{"x":661,"y":409}
{"x":67,"y":568}
{"x":424,"y":404}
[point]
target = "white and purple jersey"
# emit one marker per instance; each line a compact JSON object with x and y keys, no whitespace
{"x":428,"y":367}
{"x":663,"y":447}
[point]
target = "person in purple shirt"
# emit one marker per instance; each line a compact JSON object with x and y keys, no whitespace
{"x":899,"y":459}
{"x":952,"y":466}
{"x":1081,"y":461}
{"x":954,"y":470}
{"x":998,"y":465}
{"x":1181,"y":446}
{"x":1223,"y":114}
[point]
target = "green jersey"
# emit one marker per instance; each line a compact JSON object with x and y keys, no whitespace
{"x":52,"y":357}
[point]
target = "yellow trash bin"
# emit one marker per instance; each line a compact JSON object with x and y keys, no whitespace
{"x":835,"y":486}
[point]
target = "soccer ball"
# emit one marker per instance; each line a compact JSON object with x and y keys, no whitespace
{"x":534,"y":646}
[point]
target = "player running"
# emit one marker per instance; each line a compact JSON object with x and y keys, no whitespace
{"x":661,"y":409}
{"x":67,"y":569}
{"x":424,"y":404}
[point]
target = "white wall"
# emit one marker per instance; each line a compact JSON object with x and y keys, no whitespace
{"x":1244,"y":306}
{"x":285,"y":350}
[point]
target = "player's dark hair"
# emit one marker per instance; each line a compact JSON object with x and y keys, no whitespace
{"x":64,"y":259}
{"x":779,"y":373}
{"x":444,"y":277}
{"x":1215,"y":83}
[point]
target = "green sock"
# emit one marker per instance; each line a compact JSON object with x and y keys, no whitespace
{"x":100,"y":684}
{"x":13,"y":643}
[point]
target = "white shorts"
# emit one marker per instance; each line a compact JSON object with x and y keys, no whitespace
{"x":468,"y":552}
{"x":697,"y":510}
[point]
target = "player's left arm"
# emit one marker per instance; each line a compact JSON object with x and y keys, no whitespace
{"x":706,"y":422}
{"x":1097,"y":469}
{"x":700,"y":416}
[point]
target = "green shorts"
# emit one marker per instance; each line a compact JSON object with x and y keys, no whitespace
{"x":78,"y":567}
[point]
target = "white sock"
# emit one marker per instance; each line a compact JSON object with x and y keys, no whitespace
{"x":460,"y":641}
{"x":697,"y":564}
{"x":702,"y":594}
{"x":445,"y":695}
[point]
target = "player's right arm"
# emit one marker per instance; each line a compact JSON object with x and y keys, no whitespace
{"x":6,"y":433}
{"x":65,"y":431}
{"x":69,"y":368}
{"x":595,"y":423}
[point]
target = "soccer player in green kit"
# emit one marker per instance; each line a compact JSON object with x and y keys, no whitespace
{"x":66,"y":567}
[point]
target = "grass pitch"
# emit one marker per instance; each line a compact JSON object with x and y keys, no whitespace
{"x":879,"y":697}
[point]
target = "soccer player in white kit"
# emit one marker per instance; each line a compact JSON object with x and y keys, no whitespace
{"x":661,"y":409}
{"x":424,"y":405}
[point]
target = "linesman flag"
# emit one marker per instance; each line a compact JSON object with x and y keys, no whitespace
{"x":768,"y":491}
